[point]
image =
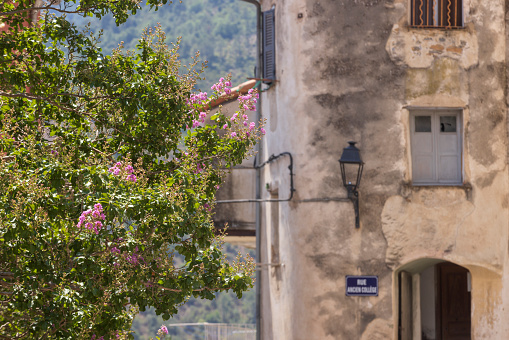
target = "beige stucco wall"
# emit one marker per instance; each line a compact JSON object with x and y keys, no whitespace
{"x":351,"y":70}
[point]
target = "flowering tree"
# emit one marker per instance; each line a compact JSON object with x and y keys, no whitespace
{"x":109,"y":166}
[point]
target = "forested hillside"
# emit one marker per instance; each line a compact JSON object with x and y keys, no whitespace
{"x":224,"y":31}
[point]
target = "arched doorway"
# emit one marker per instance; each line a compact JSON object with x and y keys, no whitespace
{"x":434,"y":300}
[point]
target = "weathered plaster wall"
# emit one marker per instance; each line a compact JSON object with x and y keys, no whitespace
{"x":331,"y":68}
{"x":468,"y":225}
{"x":351,"y":70}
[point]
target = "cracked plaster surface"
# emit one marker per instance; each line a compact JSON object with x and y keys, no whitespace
{"x":418,"y":48}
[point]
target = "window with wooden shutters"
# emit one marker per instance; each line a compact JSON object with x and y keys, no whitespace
{"x":436,"y":13}
{"x":436,"y":147}
{"x":269,"y":56}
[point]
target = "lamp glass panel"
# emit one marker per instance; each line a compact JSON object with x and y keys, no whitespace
{"x":351,"y":172}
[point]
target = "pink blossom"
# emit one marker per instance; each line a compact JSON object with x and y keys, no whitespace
{"x":199,"y":168}
{"x":91,"y":219}
{"x":251,"y":126}
{"x":228,"y":83}
{"x":164,"y":330}
{"x":129,"y":169}
{"x":225,"y":126}
{"x":132,"y":178}
{"x":227,"y":90}
{"x":234,"y":134}
{"x":196,"y":99}
{"x":195,"y":123}
{"x":262,"y":130}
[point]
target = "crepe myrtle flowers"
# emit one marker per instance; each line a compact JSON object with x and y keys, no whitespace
{"x":162,"y":331}
{"x":222,"y":85}
{"x":237,"y":126}
{"x":248,"y":101}
{"x":92,"y":219}
{"x":125,"y":171}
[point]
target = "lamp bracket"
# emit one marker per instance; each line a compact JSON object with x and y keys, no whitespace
{"x":353,"y":195}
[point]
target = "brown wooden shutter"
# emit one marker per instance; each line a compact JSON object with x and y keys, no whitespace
{"x":269,"y":43}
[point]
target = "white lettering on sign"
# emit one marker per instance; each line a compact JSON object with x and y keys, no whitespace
{"x":368,"y":290}
{"x":354,"y":289}
{"x":361,"y":285}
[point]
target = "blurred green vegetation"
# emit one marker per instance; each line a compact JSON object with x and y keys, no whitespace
{"x":225,"y":308}
{"x":224,"y":31}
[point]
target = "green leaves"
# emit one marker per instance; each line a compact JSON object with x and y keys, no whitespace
{"x":70,"y":117}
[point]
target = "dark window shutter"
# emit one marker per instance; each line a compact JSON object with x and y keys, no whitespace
{"x":269,"y":56}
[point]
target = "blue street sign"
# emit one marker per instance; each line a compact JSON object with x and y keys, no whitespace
{"x":361,"y":285}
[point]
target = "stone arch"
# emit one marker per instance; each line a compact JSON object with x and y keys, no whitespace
{"x":433,"y":300}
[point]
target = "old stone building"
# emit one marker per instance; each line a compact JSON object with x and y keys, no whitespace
{"x":421,"y":86}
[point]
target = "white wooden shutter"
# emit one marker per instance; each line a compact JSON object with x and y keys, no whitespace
{"x":449,"y":148}
{"x":423,"y":147}
{"x":436,"y":146}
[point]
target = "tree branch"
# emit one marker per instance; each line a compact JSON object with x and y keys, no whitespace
{"x":56,"y":9}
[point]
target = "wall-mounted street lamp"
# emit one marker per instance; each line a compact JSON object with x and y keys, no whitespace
{"x":351,"y":173}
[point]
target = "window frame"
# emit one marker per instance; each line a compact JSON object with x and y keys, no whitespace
{"x":435,"y":114}
{"x":431,"y":19}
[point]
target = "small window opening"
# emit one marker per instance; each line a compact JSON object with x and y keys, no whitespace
{"x":436,"y":145}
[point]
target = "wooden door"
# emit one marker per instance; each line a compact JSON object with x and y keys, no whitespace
{"x":453,"y":309}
